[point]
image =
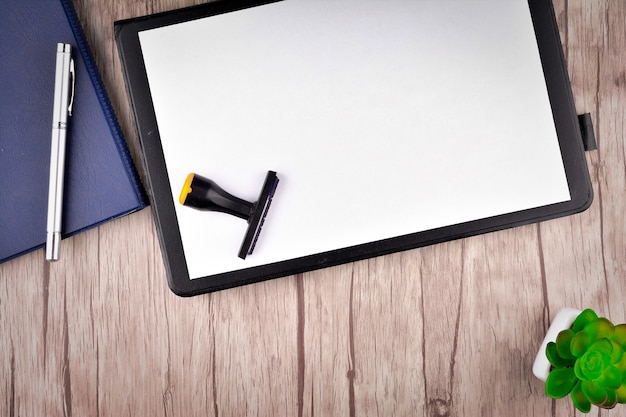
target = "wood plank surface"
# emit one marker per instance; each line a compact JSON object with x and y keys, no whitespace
{"x":446,"y":330}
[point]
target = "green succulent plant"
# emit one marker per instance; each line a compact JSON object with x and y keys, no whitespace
{"x":589,"y":361}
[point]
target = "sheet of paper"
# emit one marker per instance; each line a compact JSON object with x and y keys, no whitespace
{"x":381,"y":117}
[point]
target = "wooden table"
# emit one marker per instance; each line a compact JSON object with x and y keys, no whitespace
{"x":446,"y":330}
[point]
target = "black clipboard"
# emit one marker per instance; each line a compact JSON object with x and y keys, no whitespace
{"x":568,"y":131}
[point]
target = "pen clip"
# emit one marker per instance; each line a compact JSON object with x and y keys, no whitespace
{"x":73,"y":81}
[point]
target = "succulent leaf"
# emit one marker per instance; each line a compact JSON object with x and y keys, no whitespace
{"x":598,"y":329}
{"x":580,"y":343}
{"x":563,"y":342}
{"x":560,"y":382}
{"x":621,"y":393}
{"x":619,"y":336}
{"x":611,"y":399}
{"x":580,"y":400}
{"x":578,"y":370}
{"x":602,"y":345}
{"x":611,"y":378}
{"x":596,"y":394}
{"x":618,"y":353}
{"x":555,"y":360}
{"x":584,"y":318}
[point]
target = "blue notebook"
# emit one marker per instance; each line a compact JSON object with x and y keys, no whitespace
{"x":100,"y":179}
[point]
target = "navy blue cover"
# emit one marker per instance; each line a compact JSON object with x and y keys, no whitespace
{"x":100,"y":180}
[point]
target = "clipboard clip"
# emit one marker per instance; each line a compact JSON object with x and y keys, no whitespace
{"x":586,"y":131}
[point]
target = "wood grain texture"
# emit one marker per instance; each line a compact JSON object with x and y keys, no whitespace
{"x":446,"y":330}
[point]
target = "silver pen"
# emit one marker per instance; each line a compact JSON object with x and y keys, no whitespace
{"x":63,"y":101}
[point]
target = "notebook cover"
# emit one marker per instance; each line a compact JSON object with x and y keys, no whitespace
{"x":100,"y":179}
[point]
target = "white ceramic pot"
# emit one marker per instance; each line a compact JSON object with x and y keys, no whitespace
{"x":563,"y":320}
